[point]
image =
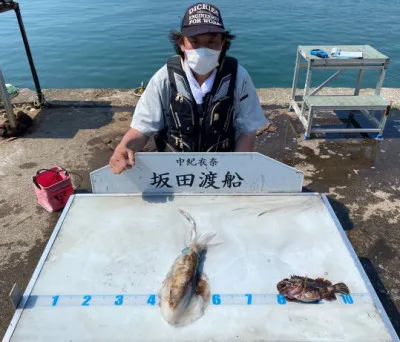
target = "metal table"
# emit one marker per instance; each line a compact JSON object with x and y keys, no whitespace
{"x":100,"y":273}
{"x":310,"y":102}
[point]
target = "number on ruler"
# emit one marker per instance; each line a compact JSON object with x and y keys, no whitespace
{"x":151,"y":300}
{"x":347,"y":299}
{"x":120,"y":300}
{"x":86,"y":300}
{"x":281,"y":299}
{"x":249,"y":298}
{"x":216,"y":299}
{"x":55,"y":300}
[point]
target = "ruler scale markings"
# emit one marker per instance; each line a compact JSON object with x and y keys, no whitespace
{"x":152,"y":300}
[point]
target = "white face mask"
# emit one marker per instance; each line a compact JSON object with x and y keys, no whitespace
{"x":202,"y":60}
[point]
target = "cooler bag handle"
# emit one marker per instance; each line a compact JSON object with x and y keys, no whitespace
{"x":62,"y":169}
{"x":41,"y":170}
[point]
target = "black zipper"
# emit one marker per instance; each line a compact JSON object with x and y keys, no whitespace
{"x":174,"y":117}
{"x":212,"y":114}
{"x":178,"y":122}
{"x":193,"y":119}
{"x":201,"y":120}
{"x":181,"y":142}
{"x":169,"y":145}
{"x":218,"y":143}
{"x":228,"y":118}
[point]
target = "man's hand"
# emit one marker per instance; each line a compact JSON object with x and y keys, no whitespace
{"x":123,"y":157}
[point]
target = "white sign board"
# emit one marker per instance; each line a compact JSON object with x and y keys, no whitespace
{"x":103,"y":267}
{"x":200,"y":173}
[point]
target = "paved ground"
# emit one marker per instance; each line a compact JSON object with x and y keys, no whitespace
{"x":360,"y":176}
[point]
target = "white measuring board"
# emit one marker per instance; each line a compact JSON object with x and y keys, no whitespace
{"x":200,"y":173}
{"x":109,"y":254}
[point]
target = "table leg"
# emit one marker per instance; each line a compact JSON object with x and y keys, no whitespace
{"x":380,"y":82}
{"x":309,"y":123}
{"x":295,"y":78}
{"x":359,"y":81}
{"x":383,"y":123}
{"x":306,"y":87}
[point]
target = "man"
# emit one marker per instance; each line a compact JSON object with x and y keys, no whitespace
{"x":200,"y":101}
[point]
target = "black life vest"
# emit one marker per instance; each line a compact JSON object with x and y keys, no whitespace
{"x":190,"y":127}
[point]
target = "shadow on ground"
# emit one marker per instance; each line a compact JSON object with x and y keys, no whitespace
{"x":342,"y":119}
{"x":382,"y":293}
{"x":61,"y":122}
{"x":358,"y":120}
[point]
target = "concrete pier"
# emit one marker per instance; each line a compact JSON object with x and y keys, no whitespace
{"x":81,"y":127}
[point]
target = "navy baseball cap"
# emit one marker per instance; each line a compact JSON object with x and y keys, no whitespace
{"x":202,"y":18}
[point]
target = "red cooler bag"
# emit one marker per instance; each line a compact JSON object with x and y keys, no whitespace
{"x":53,"y":188}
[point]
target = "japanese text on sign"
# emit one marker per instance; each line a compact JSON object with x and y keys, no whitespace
{"x":201,"y":162}
{"x":204,"y":180}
